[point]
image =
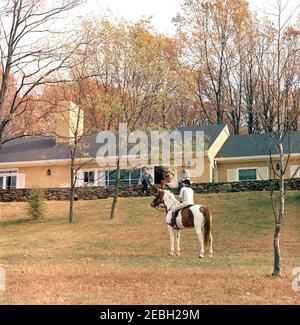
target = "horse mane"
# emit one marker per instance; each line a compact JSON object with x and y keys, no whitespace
{"x":171,"y":195}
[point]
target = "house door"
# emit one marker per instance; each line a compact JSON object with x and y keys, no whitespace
{"x":158,"y":175}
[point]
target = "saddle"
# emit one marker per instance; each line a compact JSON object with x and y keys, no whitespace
{"x":187,"y":219}
{"x":177,"y":212}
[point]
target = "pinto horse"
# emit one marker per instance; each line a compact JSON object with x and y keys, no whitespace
{"x":196,"y":217}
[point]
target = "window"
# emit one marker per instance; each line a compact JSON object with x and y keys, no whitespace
{"x":100,"y":178}
{"x":8,"y":179}
{"x":110,"y":178}
{"x":127,"y":177}
{"x":89,"y":178}
{"x":11,"y":182}
{"x":247,"y":175}
{"x":135,"y":176}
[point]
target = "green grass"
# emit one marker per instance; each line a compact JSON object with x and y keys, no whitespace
{"x":293,"y":198}
{"x":101,"y":261}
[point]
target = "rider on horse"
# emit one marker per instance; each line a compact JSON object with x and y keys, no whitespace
{"x":187,"y":200}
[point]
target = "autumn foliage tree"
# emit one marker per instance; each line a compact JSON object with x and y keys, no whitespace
{"x":127,"y":63}
{"x":211,"y":29}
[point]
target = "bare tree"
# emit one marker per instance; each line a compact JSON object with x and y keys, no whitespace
{"x":278,"y":63}
{"x":31,"y":52}
{"x":72,"y":108}
{"x":70,"y":132}
{"x":251,"y":79}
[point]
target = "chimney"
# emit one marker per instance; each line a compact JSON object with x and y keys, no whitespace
{"x":69,"y":122}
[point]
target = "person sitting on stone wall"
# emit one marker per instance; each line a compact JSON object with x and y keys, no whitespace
{"x":146,"y":181}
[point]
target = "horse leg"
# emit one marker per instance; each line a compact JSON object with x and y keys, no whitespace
{"x":178,"y":233}
{"x":172,"y":241}
{"x":211,"y":252}
{"x":198,"y":231}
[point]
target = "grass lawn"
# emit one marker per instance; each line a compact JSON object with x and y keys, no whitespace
{"x":125,"y":261}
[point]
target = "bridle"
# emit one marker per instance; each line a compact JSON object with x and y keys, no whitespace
{"x":167,"y":211}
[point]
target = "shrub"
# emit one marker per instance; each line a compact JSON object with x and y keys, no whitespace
{"x":36,"y":205}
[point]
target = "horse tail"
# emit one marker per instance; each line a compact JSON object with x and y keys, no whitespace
{"x":207,"y":224}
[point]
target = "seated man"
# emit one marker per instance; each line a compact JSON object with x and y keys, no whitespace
{"x":184,"y":175}
{"x":186,"y":198}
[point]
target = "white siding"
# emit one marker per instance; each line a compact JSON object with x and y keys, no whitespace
{"x":80,"y":178}
{"x":263,"y":173}
{"x":295,"y":171}
{"x":215,"y":173}
{"x":232,"y":175}
{"x":21,"y":181}
{"x":101,"y":181}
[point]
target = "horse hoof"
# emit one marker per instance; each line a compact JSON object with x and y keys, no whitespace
{"x":178,"y":254}
{"x":172,"y":254}
{"x":211,"y":255}
{"x":201,"y":256}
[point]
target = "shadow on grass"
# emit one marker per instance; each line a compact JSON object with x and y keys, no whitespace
{"x":18,"y":222}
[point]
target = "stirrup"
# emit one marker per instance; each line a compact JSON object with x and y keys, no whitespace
{"x":173,"y":225}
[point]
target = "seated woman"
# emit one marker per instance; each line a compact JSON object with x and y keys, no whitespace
{"x":187,"y":199}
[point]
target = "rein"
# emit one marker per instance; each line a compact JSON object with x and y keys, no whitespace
{"x":167,"y":211}
{"x":170,"y":207}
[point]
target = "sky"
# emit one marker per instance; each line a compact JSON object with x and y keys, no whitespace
{"x":162,"y":10}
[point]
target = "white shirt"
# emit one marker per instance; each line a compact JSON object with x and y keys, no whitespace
{"x":187,"y":195}
{"x":185,"y":175}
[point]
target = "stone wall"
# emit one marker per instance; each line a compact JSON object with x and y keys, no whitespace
{"x":253,"y":186}
{"x":96,"y":193}
{"x":63,"y":194}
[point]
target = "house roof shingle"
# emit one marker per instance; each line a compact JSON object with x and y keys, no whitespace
{"x":257,"y":145}
{"x":43,"y":148}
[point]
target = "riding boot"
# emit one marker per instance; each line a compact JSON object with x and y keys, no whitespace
{"x":173,"y":220}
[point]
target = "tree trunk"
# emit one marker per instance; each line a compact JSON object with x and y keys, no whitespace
{"x":279,"y":218}
{"x":220,"y":117}
{"x":71,"y":210}
{"x":116,"y":194}
{"x":72,"y":192}
{"x":277,"y":255}
{"x":164,"y":116}
{"x":250,"y":120}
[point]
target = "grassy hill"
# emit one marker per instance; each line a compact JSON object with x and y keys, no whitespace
{"x":125,"y":261}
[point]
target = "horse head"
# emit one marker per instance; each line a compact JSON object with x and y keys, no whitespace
{"x":159,"y":198}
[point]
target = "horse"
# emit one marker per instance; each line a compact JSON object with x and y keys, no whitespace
{"x":196,"y":217}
